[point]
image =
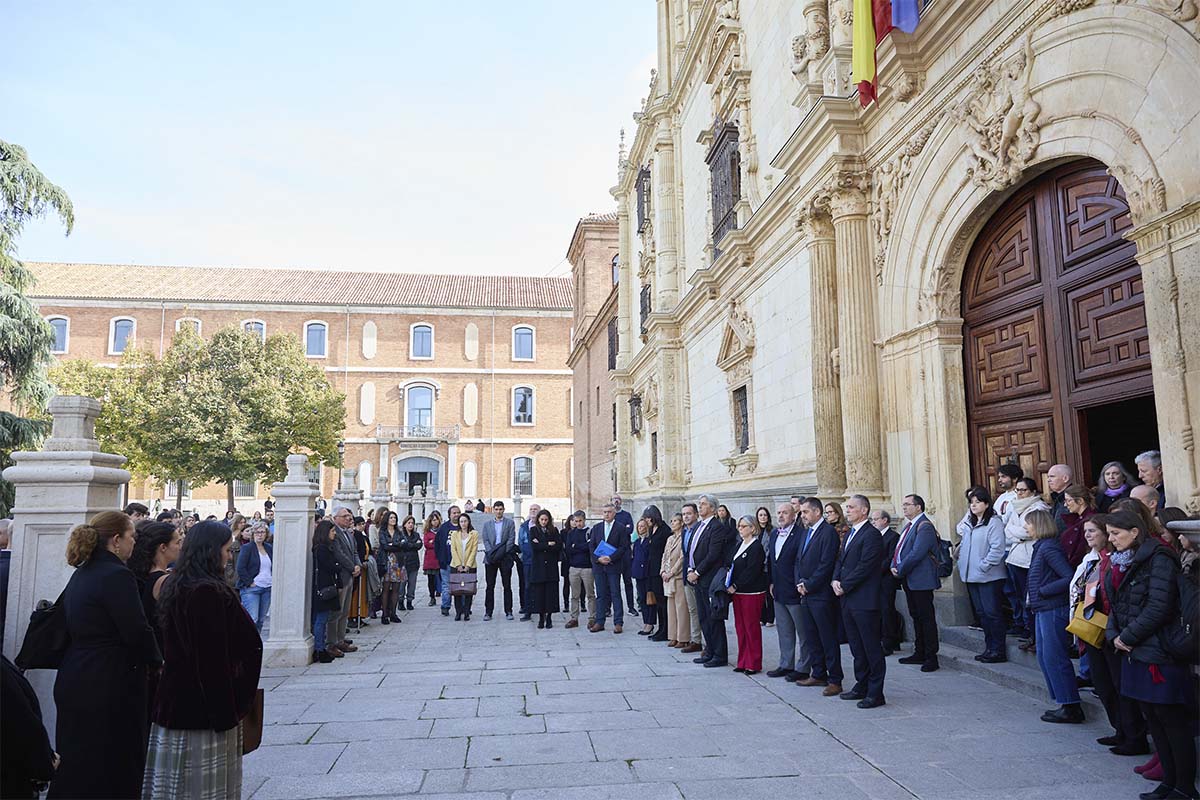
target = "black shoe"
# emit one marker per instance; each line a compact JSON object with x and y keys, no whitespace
{"x":796,"y":677}
{"x":386,"y":621}
{"x":645,"y":633}
{"x":703,"y":659}
{"x":871,"y":702}
{"x":1109,"y":741}
{"x":524,"y":617}
{"x":1131,"y":749}
{"x":1083,"y":682}
{"x":432,"y":602}
{"x":930,"y":666}
{"x":714,"y":663}
{"x":458,"y":616}
{"x":445,"y":612}
{"x":541,"y":623}
{"x":1071,"y":714}
{"x":738,"y":669}
{"x":324,"y":657}
{"x":657,"y":638}
{"x":410,"y":605}
{"x":749,"y":672}
{"x":779,"y":673}
{"x":1160,"y":792}
{"x":992,"y":658}
{"x":487,"y":617}
{"x":347,"y":641}
{"x":913,"y":659}
{"x":468,"y":616}
{"x":852,"y":695}
{"x":549,"y":621}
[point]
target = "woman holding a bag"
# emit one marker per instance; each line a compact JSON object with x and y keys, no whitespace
{"x":658,"y":533}
{"x":212,"y":655}
{"x":464,"y":547}
{"x":391,"y":559}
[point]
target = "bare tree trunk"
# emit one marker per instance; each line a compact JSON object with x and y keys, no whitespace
{"x":229,"y":496}
{"x":179,"y":495}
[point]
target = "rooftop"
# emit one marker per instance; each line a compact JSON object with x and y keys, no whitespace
{"x":295,"y":286}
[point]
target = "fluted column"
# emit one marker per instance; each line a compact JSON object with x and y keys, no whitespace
{"x":665,"y":227}
{"x":624,"y":296}
{"x":816,"y":226}
{"x":856,"y":334}
{"x":664,"y":48}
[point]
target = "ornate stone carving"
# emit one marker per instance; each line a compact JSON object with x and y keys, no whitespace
{"x":1147,"y":197}
{"x":1178,"y":10}
{"x":737,"y":345}
{"x":1062,"y":7}
{"x":889,"y":181}
{"x":999,"y":119}
{"x":836,"y":80}
{"x":812,"y":218}
{"x":907,"y":86}
{"x":841,"y":18}
{"x":849,"y":193}
{"x":650,"y":398}
{"x":813,"y":43}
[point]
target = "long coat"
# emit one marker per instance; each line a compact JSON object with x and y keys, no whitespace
{"x":100,"y":691}
{"x":546,"y":546}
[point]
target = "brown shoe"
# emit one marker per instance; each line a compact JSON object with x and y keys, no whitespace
{"x":832,"y":690}
{"x":572,"y":623}
{"x":812,"y":682}
{"x":335,"y":651}
{"x":594,"y":628}
{"x":691,"y":648}
{"x":617,"y":629}
{"x":671,"y":643}
{"x":348,"y":648}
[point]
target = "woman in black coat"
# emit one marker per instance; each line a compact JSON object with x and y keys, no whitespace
{"x":660,"y":531}
{"x":325,"y":575}
{"x":547,"y":544}
{"x":100,"y":690}
{"x":410,"y":548}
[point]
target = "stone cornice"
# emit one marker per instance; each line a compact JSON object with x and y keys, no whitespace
{"x":831,"y":122}
{"x":1172,"y":229}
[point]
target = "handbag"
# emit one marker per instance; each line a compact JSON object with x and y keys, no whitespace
{"x":252,"y":724}
{"x":1088,"y":624}
{"x":47,"y":638}
{"x":651,"y":600}
{"x":325,"y":592}
{"x":463,"y":583}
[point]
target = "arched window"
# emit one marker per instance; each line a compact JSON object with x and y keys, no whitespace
{"x":616,"y":268}
{"x":469,"y":479}
{"x":121,"y":332}
{"x":62,"y":330}
{"x":257,"y":327}
{"x":188,"y":322}
{"x":314,"y":339}
{"x":364,"y":477}
{"x":420,"y":343}
{"x":522,"y":343}
{"x":522,"y":413}
{"x":419,"y":406}
{"x":522,"y":476}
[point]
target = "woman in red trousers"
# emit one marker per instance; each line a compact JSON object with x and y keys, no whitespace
{"x":747,"y":587}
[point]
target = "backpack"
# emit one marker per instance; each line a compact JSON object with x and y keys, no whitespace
{"x":942,"y":558}
{"x":1181,"y":636}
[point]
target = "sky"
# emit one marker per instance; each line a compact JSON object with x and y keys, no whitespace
{"x":464,"y":137}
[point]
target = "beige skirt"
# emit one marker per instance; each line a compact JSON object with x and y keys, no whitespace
{"x":199,"y":765}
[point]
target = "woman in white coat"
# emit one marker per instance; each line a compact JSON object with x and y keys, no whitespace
{"x":1020,"y":550}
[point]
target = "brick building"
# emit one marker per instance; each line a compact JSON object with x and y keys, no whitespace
{"x":594,"y":274}
{"x":455,"y":383}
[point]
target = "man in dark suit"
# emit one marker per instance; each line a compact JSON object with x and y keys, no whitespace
{"x":498,"y":535}
{"x":345,"y":550}
{"x":890,"y":621}
{"x":441,"y":548}
{"x":606,"y":570}
{"x":856,"y":582}
{"x":710,"y":550}
{"x":783,"y":546}
{"x":913,"y":565}
{"x":625,"y":520}
{"x":818,"y":605}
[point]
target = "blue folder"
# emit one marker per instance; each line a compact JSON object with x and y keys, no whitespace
{"x":605,"y":549}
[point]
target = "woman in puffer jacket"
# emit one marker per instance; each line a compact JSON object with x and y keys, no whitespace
{"x":1145,"y":598}
{"x":1049,"y":586}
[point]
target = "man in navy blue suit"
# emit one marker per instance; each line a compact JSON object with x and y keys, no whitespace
{"x":607,"y":569}
{"x":710,"y":549}
{"x":625,"y":520}
{"x":818,"y":605}
{"x":856,"y":583}
{"x":783,"y":546}
{"x":914,"y":567}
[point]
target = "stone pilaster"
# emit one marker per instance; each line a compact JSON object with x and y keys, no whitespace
{"x":625,"y":332}
{"x":672,"y":455}
{"x":666,"y":229}
{"x":290,"y":642}
{"x":624,"y":457}
{"x":858,"y":367}
{"x":816,"y":226}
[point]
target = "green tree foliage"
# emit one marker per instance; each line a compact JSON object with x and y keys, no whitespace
{"x":25,"y":338}
{"x":230,"y":408}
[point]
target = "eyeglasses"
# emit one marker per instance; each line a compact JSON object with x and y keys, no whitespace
{"x":1022,"y":490}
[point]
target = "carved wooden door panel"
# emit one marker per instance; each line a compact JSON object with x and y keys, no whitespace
{"x":1054,"y":320}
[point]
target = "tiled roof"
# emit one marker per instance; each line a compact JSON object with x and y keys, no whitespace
{"x":301,"y":286}
{"x":607,"y":216}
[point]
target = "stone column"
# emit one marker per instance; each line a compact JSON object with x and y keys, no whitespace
{"x":419,"y":503}
{"x":348,"y":494}
{"x":65,"y":484}
{"x":290,"y":642}
{"x":665,"y":227}
{"x":858,"y":367}
{"x":624,"y":456}
{"x":451,"y":468}
{"x":664,"y":49}
{"x":816,"y":226}
{"x":380,"y":497}
{"x":625,"y":331}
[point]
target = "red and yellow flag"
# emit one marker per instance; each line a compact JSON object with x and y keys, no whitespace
{"x":872,"y":22}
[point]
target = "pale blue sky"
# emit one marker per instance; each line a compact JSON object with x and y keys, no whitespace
{"x":462,"y":137}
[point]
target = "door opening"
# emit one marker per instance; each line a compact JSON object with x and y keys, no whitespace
{"x":1117,"y":432}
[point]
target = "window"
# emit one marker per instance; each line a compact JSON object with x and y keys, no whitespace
{"x":522,"y":405}
{"x":643,"y":198}
{"x":522,"y":482}
{"x":570,"y":406}
{"x":645,"y":306}
{"x":188,"y":322}
{"x":654,"y":452}
{"x":257,"y":327}
{"x":312,"y":473}
{"x":421,"y":341}
{"x":635,"y":414}
{"x":616,"y":269}
{"x":725,"y":168}
{"x":244,"y":488}
{"x":522,"y":343}
{"x":314,"y":339}
{"x":173,"y":489}
{"x":419,"y":404}
{"x":61,"y":327}
{"x":364,"y":477}
{"x":120,"y":334}
{"x":614,"y":416}
{"x":741,"y":419}
{"x":613,"y":343}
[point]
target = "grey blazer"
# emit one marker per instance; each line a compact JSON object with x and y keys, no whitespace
{"x":345,"y":554}
{"x":498,"y":538}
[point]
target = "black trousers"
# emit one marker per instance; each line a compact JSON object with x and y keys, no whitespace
{"x":716,"y":643}
{"x":1171,"y":729}
{"x":862,"y":629}
{"x":821,"y":636}
{"x":504,"y":568}
{"x":522,"y":577}
{"x":925,"y":633}
{"x":1124,"y":713}
{"x":462,"y":603}
{"x":627,"y":577}
{"x":891,"y":622}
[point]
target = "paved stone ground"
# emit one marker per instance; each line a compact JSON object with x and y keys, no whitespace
{"x":491,"y":710}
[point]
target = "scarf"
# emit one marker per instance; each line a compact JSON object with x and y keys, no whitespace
{"x":1122,"y":559}
{"x":1020,"y":505}
{"x":1117,"y":492}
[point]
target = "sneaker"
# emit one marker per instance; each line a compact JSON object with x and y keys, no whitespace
{"x":509,"y":617}
{"x":487,"y":617}
{"x":445,"y":612}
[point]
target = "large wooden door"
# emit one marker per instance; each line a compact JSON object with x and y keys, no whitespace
{"x":1054,"y":321}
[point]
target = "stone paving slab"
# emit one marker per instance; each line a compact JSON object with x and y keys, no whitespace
{"x":502,"y":711}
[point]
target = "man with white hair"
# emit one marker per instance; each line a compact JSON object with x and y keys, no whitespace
{"x":1150,"y":472}
{"x":1057,"y":481}
{"x":346,"y":553}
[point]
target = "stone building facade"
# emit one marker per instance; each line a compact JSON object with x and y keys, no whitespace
{"x":458,"y":384}
{"x":594,"y":276}
{"x":998,"y":259}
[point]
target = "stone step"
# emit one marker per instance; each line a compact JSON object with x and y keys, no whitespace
{"x":1013,"y":675}
{"x":972,"y":640}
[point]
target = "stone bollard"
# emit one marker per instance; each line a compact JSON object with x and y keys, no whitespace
{"x":380,"y":497}
{"x":65,"y":484}
{"x":419,"y":505}
{"x":348,"y":494}
{"x":290,"y":642}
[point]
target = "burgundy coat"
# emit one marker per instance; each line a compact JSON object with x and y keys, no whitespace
{"x":1074,"y":545}
{"x":212,"y":654}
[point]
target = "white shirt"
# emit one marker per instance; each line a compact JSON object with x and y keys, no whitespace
{"x":263,"y":579}
{"x":782,"y":537}
{"x":1003,"y":502}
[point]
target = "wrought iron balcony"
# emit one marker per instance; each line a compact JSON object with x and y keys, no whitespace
{"x":420,"y":433}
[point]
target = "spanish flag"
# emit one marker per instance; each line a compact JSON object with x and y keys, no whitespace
{"x":873,"y":20}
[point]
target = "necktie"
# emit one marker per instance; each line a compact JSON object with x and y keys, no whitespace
{"x":849,"y":537}
{"x":899,"y":544}
{"x":807,"y":537}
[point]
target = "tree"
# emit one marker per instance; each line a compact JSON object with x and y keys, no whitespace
{"x":25,"y":338}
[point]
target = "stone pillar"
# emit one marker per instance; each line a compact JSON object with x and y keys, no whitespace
{"x":666,"y":231}
{"x":624,"y":456}
{"x":290,"y":642}
{"x":451,"y":467}
{"x":664,"y":50}
{"x":381,"y":497}
{"x":517,"y":500}
{"x":816,"y":226}
{"x":65,"y":484}
{"x":627,"y":286}
{"x":419,"y":504}
{"x":348,"y":494}
{"x":858,"y":366}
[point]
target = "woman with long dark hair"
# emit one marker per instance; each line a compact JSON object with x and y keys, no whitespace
{"x":324,"y":602}
{"x":765,"y":524}
{"x":429,"y":564}
{"x":410,"y":549}
{"x":213,"y":655}
{"x":392,"y":560}
{"x":156,"y":549}
{"x":981,"y":567}
{"x":100,"y":689}
{"x":464,"y":555}
{"x":547,"y":543}
{"x":658,"y":534}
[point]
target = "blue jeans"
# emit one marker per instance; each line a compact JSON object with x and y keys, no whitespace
{"x":986,"y":599}
{"x":608,"y":593}
{"x":257,"y":602}
{"x":445,"y":579}
{"x":319,"y":618}
{"x":1053,"y":654}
